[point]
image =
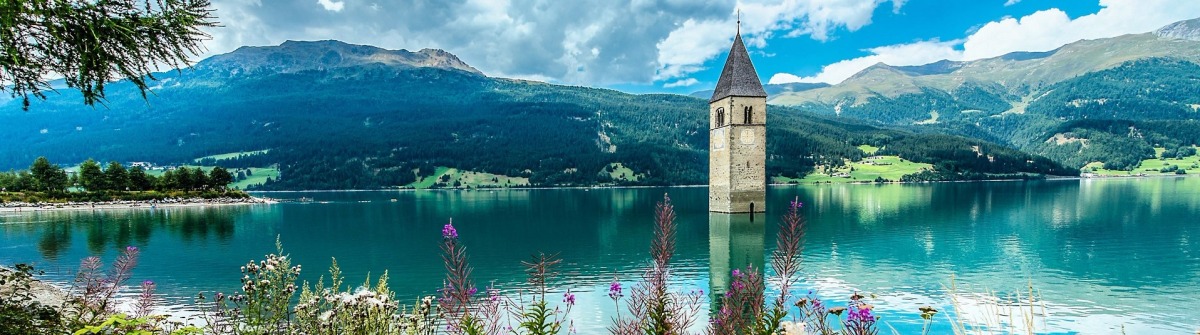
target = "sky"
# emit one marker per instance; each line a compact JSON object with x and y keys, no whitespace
{"x":679,"y":46}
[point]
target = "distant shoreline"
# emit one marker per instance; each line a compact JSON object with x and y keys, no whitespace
{"x":22,"y":207}
{"x":864,"y":182}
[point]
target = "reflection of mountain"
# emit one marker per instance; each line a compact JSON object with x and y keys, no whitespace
{"x":735,"y":241}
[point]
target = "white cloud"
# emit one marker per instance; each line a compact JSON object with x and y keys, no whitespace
{"x":682,"y":83}
{"x":694,"y":42}
{"x":1011,"y":2}
{"x":1041,"y":31}
{"x":330,"y":5}
{"x":918,"y":53}
{"x":1049,"y":29}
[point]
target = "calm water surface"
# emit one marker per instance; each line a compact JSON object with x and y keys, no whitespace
{"x":1101,"y":254}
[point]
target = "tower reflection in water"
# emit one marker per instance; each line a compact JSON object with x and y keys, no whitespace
{"x":735,"y":241}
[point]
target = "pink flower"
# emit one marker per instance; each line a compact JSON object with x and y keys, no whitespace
{"x":448,"y":231}
{"x":569,"y":298}
{"x":614,"y":290}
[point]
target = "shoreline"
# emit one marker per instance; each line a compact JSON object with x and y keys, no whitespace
{"x":24,"y":207}
{"x":393,"y":189}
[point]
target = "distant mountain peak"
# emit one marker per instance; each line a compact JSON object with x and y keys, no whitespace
{"x":295,"y":56}
{"x":1187,"y":29}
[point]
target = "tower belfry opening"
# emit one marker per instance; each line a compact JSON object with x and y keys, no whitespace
{"x":737,"y":179}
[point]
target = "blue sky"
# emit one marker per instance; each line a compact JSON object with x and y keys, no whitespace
{"x":678,"y":46}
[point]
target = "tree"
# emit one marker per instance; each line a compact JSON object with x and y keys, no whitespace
{"x":42,"y":172}
{"x":199,"y":179}
{"x":183,"y":178}
{"x":46,"y":177}
{"x":139,"y":180}
{"x":115,"y":176}
{"x":168,"y":181}
{"x":219,"y":177}
{"x":90,"y":176}
{"x":91,"y":43}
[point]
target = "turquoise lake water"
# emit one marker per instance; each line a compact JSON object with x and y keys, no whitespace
{"x":1100,"y":254}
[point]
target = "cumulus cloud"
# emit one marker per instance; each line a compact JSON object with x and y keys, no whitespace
{"x":1041,"y":31}
{"x":330,"y":5}
{"x":589,"y":42}
{"x":694,"y":42}
{"x":682,"y":83}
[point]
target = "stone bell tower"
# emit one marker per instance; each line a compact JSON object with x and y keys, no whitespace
{"x":737,"y":178}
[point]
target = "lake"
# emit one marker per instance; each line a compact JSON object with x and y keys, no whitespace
{"x":1100,"y":254}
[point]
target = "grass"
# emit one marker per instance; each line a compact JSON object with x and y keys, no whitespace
{"x":621,"y":172}
{"x":466,"y":179}
{"x":868,"y":149}
{"x":233,"y":155}
{"x":1149,"y":167}
{"x":886,"y":167}
{"x":258,"y":175}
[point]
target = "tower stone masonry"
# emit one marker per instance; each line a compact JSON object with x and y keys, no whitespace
{"x":737,"y":178}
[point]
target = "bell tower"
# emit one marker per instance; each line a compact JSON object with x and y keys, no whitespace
{"x":737,"y":178}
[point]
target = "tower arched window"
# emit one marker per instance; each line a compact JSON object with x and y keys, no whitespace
{"x":748,"y":114}
{"x":720,"y":116}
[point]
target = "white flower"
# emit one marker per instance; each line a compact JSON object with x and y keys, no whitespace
{"x":792,"y":328}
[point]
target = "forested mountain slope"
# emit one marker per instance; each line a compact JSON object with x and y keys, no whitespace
{"x":1106,"y":100}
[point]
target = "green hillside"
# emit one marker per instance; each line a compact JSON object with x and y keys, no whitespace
{"x":1107,"y":100}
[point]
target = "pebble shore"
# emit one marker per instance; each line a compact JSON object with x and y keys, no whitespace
{"x":17,"y":206}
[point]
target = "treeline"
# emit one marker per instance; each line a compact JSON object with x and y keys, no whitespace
{"x":958,"y":155}
{"x":46,"y":177}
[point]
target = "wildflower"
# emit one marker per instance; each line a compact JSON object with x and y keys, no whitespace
{"x":837,"y":311}
{"x":569,"y":298}
{"x":448,"y":230}
{"x":802,"y":302}
{"x":472,"y":291}
{"x":131,"y":248}
{"x":147,"y":283}
{"x":928,"y":312}
{"x":737,"y":273}
{"x":614,"y":290}
{"x":796,"y":203}
{"x":792,"y":328}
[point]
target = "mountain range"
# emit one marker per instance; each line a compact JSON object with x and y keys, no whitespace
{"x":337,"y":115}
{"x":1106,"y":100}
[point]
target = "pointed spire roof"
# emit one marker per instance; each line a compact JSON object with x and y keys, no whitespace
{"x":738,"y":78}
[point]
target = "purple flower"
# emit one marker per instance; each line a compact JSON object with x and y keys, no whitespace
{"x":448,"y":230}
{"x":569,"y":298}
{"x":614,"y":290}
{"x":131,"y":248}
{"x":860,"y":314}
{"x":737,"y":273}
{"x":472,"y":291}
